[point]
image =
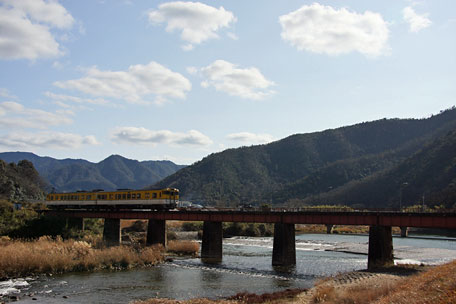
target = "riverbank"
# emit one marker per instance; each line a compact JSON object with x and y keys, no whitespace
{"x":46,"y":255}
{"x":401,"y":285}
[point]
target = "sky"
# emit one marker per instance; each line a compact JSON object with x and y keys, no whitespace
{"x":178,"y":80}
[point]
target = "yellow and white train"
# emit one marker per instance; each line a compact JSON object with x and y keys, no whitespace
{"x":121,"y":199}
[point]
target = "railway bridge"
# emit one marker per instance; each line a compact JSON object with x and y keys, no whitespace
{"x":380,"y":252}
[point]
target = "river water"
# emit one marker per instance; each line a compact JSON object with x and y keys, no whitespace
{"x":246,"y":266}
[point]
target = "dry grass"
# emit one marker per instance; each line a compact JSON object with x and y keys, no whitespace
{"x":46,"y":255}
{"x":184,"y":247}
{"x":437,"y":285}
{"x":357,"y":294}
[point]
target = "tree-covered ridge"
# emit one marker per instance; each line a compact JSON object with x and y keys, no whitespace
{"x":20,"y":182}
{"x":428,"y":176}
{"x":306,"y":165}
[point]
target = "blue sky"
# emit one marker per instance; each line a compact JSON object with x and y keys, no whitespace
{"x":153,"y":80}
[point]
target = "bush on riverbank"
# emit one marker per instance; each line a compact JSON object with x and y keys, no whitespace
{"x":247,"y":229}
{"x":183,"y":247}
{"x":47,"y":255}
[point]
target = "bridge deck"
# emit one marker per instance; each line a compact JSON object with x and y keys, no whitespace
{"x":401,"y":219}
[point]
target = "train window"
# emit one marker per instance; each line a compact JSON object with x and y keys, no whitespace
{"x":154,"y":195}
{"x":128,"y":195}
{"x":51,"y":198}
{"x":124,"y":196}
{"x":133,"y":195}
{"x":138,"y":195}
{"x":89,"y":196}
{"x":118,"y":196}
{"x":147,"y":195}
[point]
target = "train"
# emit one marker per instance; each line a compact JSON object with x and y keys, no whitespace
{"x":160,"y":199}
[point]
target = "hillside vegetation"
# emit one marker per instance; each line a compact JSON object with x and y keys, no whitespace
{"x":112,"y":173}
{"x":20,"y":182}
{"x":298,"y":169}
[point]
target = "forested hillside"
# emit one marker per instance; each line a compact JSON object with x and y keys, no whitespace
{"x":302,"y":166}
{"x":20,"y":182}
{"x":429,"y":175}
{"x":112,"y":173}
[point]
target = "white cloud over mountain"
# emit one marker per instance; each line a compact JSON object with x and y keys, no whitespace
{"x":227,"y":77}
{"x":196,"y":21}
{"x":416,"y":22}
{"x":15,"y":115}
{"x":133,"y":85}
{"x":26,"y":28}
{"x":252,"y":138}
{"x":324,"y":29}
{"x":137,"y":135}
{"x":48,"y":139}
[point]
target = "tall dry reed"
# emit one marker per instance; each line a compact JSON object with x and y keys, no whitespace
{"x":184,"y":247}
{"x":47,"y":255}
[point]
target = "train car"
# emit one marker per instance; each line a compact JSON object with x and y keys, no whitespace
{"x":161,"y":199}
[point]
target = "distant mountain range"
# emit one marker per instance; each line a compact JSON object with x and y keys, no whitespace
{"x":112,"y":173}
{"x":333,"y":166}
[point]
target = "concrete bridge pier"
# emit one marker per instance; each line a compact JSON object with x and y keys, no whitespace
{"x":284,"y":247}
{"x":156,"y":232}
{"x":329,"y":228}
{"x":211,"y":246}
{"x":404,"y":231}
{"x":380,"y":247}
{"x":111,"y":232}
{"x":75,"y":223}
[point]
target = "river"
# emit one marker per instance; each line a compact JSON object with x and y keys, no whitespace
{"x":246,"y":266}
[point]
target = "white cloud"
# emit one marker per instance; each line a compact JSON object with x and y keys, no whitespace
{"x":323,"y":29}
{"x":145,"y":136}
{"x":26,"y":28}
{"x":132,"y":85}
{"x":416,"y":22}
{"x":15,"y":115}
{"x":197,"y":21}
{"x":75,"y":99}
{"x":251,"y":138}
{"x":21,"y":140}
{"x":6,"y":94}
{"x":227,"y":77}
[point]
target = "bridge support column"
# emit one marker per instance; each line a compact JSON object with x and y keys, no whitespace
{"x":404,"y":231}
{"x":380,"y":247}
{"x":329,"y":228}
{"x":284,"y":247}
{"x":211,"y":247}
{"x":156,"y":232}
{"x":111,"y":232}
{"x":75,"y":223}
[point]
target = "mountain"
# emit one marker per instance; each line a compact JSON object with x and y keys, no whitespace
{"x":429,"y":175}
{"x":20,"y":182}
{"x":305,"y":165}
{"x":112,"y":173}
